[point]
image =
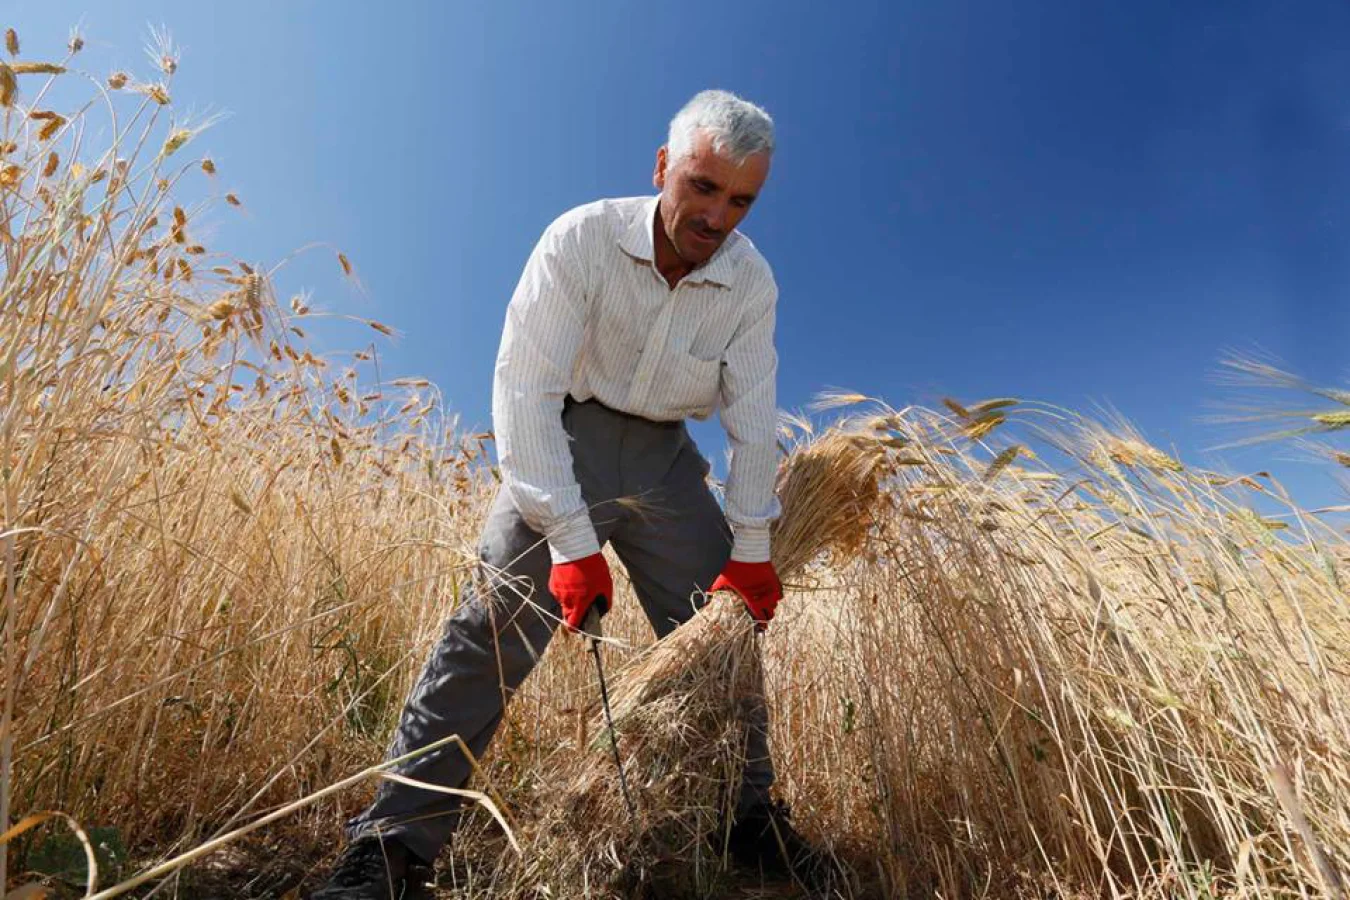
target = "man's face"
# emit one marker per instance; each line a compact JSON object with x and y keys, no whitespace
{"x":704,"y":196}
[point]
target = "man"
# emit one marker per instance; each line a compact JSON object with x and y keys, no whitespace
{"x":630,"y":316}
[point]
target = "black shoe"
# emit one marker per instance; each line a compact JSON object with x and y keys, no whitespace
{"x":371,"y":869}
{"x":763,"y":838}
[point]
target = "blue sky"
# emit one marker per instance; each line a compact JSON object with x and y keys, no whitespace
{"x":1078,"y":203}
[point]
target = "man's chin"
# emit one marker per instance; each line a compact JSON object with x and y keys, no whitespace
{"x":696,"y":253}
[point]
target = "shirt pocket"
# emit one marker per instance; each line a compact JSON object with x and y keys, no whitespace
{"x":693,"y":384}
{"x":713,"y":333}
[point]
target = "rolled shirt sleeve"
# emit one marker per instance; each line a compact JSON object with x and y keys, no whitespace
{"x":749,"y":415}
{"x":545,"y":325}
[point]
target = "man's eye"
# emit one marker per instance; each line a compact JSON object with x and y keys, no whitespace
{"x":703,"y":187}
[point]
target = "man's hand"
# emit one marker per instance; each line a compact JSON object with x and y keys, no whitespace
{"x":757,"y":584}
{"x":578,"y":584}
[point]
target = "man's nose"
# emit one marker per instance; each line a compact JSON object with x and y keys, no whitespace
{"x":716,"y":216}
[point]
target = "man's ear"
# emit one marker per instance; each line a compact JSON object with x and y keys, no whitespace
{"x":659,"y":174}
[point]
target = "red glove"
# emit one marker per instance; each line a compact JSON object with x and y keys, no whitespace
{"x":578,"y":584}
{"x":758,"y":585}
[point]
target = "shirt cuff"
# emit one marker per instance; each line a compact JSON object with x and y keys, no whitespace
{"x":750,"y":544}
{"x":573,"y":539}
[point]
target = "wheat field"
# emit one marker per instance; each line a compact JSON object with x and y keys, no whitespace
{"x":1042,"y":659}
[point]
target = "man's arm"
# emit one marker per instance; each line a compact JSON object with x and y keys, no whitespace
{"x":545,"y":323}
{"x":750,"y":417}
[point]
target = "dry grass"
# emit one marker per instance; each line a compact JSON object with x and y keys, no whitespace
{"x":1052,"y":660}
{"x":222,"y":554}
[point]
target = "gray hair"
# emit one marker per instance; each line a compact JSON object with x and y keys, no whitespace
{"x":738,"y":128}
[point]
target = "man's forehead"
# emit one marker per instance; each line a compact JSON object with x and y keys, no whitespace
{"x":707,"y":162}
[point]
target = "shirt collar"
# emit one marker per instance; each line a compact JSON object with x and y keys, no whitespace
{"x":638,"y":241}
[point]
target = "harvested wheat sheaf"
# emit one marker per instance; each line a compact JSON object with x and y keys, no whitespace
{"x":682,"y":707}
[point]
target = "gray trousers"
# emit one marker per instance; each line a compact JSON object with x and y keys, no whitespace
{"x":672,"y":549}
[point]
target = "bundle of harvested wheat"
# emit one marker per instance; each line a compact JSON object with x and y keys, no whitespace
{"x":682,"y":707}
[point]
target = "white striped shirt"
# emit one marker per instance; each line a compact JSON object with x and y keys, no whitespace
{"x":592,"y":317}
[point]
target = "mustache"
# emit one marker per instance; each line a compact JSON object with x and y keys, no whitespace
{"x":702,"y":228}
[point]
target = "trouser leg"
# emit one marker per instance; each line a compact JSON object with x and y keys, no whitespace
{"x":487,"y":648}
